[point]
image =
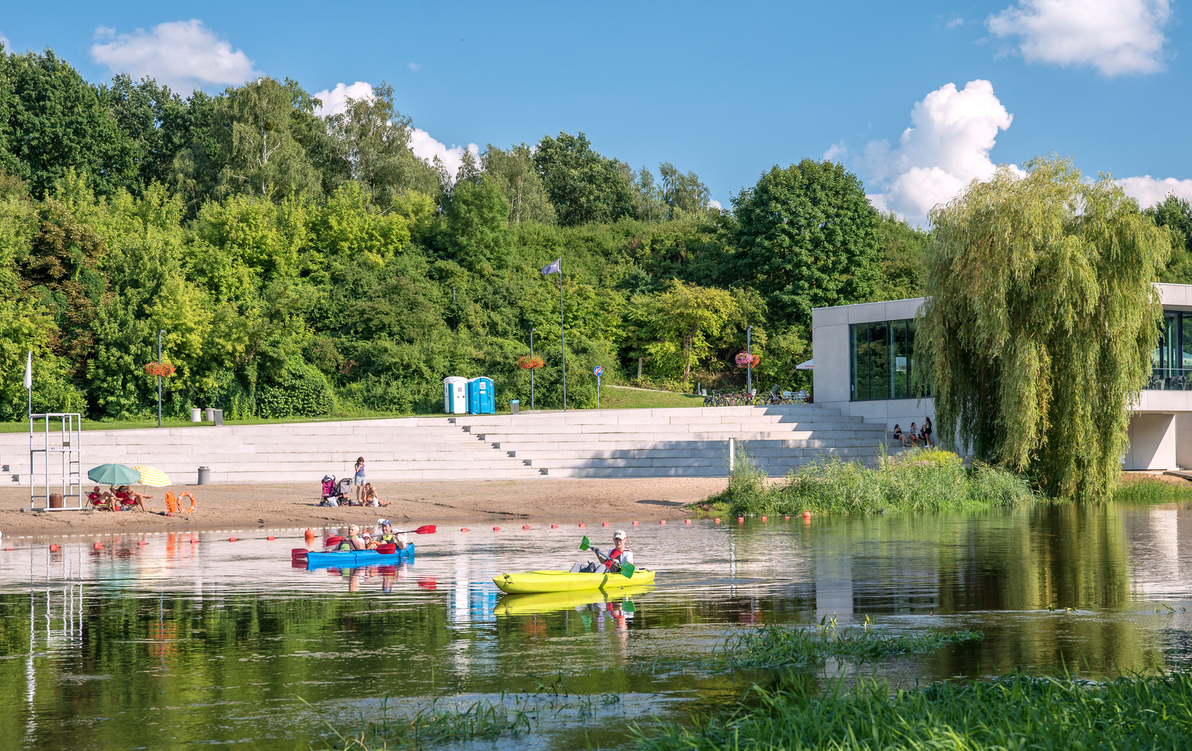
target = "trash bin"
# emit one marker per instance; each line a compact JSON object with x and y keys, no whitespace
{"x":204,"y":475}
{"x":196,"y":414}
{"x":209,"y":414}
{"x":455,"y":395}
{"x":55,"y":500}
{"x":481,"y":396}
{"x":217,"y":418}
{"x":514,"y":406}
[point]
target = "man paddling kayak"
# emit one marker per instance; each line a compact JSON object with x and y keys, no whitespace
{"x":618,"y":555}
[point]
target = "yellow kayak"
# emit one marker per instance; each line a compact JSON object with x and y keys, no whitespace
{"x":534,"y":582}
{"x":547,"y":602}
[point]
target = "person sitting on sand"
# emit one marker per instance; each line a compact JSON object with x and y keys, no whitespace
{"x":127,"y":497}
{"x":104,"y":501}
{"x":371,"y":498}
{"x":617,"y":555}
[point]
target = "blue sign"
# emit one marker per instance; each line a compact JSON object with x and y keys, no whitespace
{"x":599,"y":371}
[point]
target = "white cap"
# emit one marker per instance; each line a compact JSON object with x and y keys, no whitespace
{"x":619,"y":534}
{"x":383,"y":522}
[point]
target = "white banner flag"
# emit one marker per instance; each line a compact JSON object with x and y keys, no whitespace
{"x":554,"y":267}
{"x":29,"y":371}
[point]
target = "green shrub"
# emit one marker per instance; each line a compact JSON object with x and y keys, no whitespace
{"x":302,"y":391}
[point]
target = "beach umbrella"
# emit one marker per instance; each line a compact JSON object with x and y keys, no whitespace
{"x":113,"y":474}
{"x":152,"y":476}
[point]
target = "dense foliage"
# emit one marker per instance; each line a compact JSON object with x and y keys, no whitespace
{"x":301,"y":265}
{"x":1041,"y":321}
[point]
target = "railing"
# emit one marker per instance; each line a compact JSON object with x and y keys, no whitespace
{"x":1170,"y":379}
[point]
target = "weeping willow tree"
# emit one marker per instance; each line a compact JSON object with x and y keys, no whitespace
{"x":1040,"y":322}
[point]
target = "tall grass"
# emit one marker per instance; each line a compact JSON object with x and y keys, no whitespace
{"x":1151,"y":490}
{"x":1013,"y":712}
{"x":919,"y":480}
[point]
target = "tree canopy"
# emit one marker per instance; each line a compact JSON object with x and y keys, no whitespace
{"x":1040,"y":322}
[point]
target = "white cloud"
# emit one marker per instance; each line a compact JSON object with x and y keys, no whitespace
{"x":7,"y":44}
{"x":1149,"y":191}
{"x":414,"y":67}
{"x":954,"y":23}
{"x":714,"y":205}
{"x":837,"y":152}
{"x":947,"y":147}
{"x":427,"y":148}
{"x":1114,"y":36}
{"x":185,"y":55}
{"x":335,"y":100}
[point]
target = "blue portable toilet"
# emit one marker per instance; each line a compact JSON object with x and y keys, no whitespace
{"x":481,"y":396}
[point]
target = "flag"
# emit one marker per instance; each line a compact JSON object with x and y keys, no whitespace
{"x":29,"y":371}
{"x":554,"y":267}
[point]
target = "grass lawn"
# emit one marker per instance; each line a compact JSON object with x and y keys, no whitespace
{"x":616,"y":397}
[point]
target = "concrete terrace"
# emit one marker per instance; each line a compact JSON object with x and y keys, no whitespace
{"x":680,"y":442}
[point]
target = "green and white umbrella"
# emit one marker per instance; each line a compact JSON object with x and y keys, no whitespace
{"x":114,"y":474}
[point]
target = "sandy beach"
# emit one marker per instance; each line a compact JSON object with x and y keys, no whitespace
{"x":280,"y":506}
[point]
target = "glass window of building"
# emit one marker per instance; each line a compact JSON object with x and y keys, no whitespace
{"x":882,"y":359}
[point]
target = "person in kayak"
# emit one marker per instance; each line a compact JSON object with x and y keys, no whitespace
{"x":387,"y":535}
{"x":352,"y":541}
{"x":618,"y":555}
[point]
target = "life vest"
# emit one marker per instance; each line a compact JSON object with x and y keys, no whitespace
{"x":383,"y":537}
{"x":613,"y":555}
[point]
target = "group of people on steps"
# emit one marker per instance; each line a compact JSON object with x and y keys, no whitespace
{"x":916,"y":436}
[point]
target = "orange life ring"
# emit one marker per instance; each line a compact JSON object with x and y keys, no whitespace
{"x":186,"y":494}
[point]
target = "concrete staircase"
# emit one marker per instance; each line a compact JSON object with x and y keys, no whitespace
{"x":588,"y":443}
{"x":676,"y":442}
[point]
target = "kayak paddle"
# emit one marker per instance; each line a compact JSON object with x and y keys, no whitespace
{"x":627,"y":569}
{"x":425,"y":529}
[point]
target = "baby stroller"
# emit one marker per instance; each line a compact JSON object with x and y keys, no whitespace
{"x":330,"y":494}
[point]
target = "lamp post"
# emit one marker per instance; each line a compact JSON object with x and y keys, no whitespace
{"x":159,"y":333}
{"x":454,"y":318}
{"x":748,"y":365}
{"x":532,"y":370}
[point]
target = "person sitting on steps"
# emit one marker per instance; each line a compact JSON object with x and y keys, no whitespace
{"x":899,"y":435}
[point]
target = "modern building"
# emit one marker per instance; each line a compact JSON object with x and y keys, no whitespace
{"x":864,"y":365}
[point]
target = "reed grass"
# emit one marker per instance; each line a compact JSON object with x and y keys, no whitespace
{"x":1149,"y":490}
{"x":1013,"y":712}
{"x":919,"y":480}
{"x":435,"y":724}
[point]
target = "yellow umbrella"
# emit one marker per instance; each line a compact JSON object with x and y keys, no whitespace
{"x":152,"y":476}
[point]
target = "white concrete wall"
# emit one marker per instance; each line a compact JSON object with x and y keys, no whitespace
{"x":832,"y":375}
{"x":1152,"y":442}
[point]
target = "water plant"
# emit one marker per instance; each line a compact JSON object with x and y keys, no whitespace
{"x":1147,"y":490}
{"x":1013,"y":711}
{"x":919,"y":480}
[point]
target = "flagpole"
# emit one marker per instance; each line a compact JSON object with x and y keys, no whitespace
{"x":563,"y":337}
{"x":29,"y":382}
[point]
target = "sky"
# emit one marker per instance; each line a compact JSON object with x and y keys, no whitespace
{"x":917,"y":99}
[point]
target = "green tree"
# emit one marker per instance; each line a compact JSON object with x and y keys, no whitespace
{"x":373,"y":139}
{"x":53,"y":121}
{"x":807,"y":238}
{"x":582,"y":185}
{"x":1175,"y":214}
{"x":680,"y":324}
{"x":515,"y":173}
{"x":1040,"y":322}
{"x":262,"y":120}
{"x":477,"y":224}
{"x":683,"y":194}
{"x":902,"y":250}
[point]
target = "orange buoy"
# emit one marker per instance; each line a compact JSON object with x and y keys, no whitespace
{"x":231,"y":539}
{"x":53,"y":548}
{"x":194,"y":542}
{"x":496,"y":529}
{"x":717,"y":521}
{"x":142,"y":543}
{"x":787,"y":518}
{"x":10,"y":548}
{"x":525,"y":526}
{"x":604,"y":524}
{"x":463,"y":529}
{"x":806,"y":514}
{"x":635,"y":524}
{"x":740,"y":520}
{"x":686,"y":521}
{"x":97,"y":546}
{"x":662,"y":521}
{"x":554,"y":526}
{"x":270,"y":537}
{"x":582,"y":524}
{"x":763,"y":520}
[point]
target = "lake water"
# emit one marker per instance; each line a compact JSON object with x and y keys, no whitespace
{"x":178,"y":644}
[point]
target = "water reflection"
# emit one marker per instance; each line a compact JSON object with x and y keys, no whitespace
{"x":170,"y":640}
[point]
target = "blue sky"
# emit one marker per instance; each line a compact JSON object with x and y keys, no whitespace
{"x":724,"y":90}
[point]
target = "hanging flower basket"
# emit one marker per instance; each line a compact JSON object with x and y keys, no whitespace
{"x":531,"y":362}
{"x":163,"y":369}
{"x":745,"y":360}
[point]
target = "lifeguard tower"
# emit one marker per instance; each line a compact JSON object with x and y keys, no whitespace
{"x":55,"y":461}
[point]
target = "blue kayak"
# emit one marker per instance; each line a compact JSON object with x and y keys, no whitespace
{"x":352,"y":558}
